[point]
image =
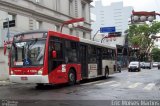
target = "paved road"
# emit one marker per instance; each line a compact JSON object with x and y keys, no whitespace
{"x":144,"y":85}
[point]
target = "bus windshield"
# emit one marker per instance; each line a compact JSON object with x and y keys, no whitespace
{"x":28,"y":53}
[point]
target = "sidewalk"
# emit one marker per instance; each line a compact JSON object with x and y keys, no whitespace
{"x":5,"y":83}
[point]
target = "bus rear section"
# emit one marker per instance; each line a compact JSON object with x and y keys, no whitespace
{"x":55,"y":58}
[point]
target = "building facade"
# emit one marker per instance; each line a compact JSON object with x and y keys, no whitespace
{"x":41,"y":15}
{"x":114,"y":15}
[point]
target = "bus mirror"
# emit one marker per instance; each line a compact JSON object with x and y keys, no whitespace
{"x":54,"y":54}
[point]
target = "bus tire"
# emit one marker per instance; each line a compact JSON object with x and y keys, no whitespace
{"x":120,"y":71}
{"x":71,"y":77}
{"x":106,"y":72}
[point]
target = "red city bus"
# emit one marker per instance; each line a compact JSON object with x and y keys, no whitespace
{"x":48,"y":57}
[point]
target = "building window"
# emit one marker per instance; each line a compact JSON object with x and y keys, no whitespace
{"x":12,"y":19}
{"x":71,"y":7}
{"x":11,"y":16}
{"x":83,"y":9}
{"x":38,"y":24}
{"x":57,"y":5}
{"x":37,"y":1}
{"x":57,"y":28}
{"x":84,"y":35}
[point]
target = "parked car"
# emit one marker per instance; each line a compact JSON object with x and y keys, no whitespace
{"x":134,"y":66}
{"x":158,"y":66}
{"x":147,"y":65}
{"x":155,"y":64}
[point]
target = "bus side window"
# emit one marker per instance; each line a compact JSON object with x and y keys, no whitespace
{"x":92,"y":54}
{"x":55,"y":44}
{"x":58,"y":48}
{"x":71,"y":54}
{"x":105,"y":54}
{"x":114,"y":54}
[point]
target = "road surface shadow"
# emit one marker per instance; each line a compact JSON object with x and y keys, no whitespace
{"x":61,"y":86}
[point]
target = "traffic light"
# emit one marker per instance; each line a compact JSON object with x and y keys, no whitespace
{"x":142,"y":16}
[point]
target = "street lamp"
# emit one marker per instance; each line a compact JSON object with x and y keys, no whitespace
{"x":73,"y":23}
{"x":143,"y":16}
{"x":95,"y":34}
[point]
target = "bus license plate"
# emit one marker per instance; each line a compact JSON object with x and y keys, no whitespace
{"x":24,"y":78}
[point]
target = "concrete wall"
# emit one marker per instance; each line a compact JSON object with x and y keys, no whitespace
{"x":4,"y":71}
{"x":50,"y":14}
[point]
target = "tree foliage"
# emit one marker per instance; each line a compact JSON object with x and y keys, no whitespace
{"x":140,"y":35}
{"x":155,"y":54}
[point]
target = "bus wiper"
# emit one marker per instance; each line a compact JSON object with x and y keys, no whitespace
{"x":32,"y":43}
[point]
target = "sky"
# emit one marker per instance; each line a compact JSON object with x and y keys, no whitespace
{"x":138,"y":5}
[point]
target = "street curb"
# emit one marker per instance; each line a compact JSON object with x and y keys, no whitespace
{"x":124,"y":68}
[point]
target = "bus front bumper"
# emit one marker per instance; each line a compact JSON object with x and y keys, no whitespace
{"x":29,"y":78}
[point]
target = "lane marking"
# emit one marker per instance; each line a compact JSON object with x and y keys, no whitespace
{"x":109,"y":82}
{"x":149,"y":86}
{"x":133,"y":74}
{"x":115,"y":85}
{"x":91,"y":83}
{"x":134,"y":85}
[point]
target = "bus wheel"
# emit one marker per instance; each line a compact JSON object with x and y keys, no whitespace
{"x":71,"y":77}
{"x":106,"y":72}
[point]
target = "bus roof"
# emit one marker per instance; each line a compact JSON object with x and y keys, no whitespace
{"x":72,"y":37}
{"x":95,"y":43}
{"x":87,"y":41}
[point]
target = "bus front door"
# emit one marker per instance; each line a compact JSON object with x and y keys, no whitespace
{"x":99,"y":61}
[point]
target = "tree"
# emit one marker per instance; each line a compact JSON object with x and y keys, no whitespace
{"x":140,"y":36}
{"x":155,"y":54}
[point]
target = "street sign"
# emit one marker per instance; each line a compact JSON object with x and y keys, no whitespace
{"x":107,"y":29}
{"x":115,"y":34}
{"x":11,"y":24}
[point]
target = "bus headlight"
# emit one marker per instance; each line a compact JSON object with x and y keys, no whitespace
{"x":40,"y":72}
{"x":12,"y":73}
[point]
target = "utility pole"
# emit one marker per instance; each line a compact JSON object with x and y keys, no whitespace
{"x":8,"y":32}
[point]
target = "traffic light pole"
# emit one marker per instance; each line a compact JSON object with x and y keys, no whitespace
{"x":103,"y":39}
{"x":74,"y":20}
{"x":95,"y":34}
{"x":8,"y":32}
